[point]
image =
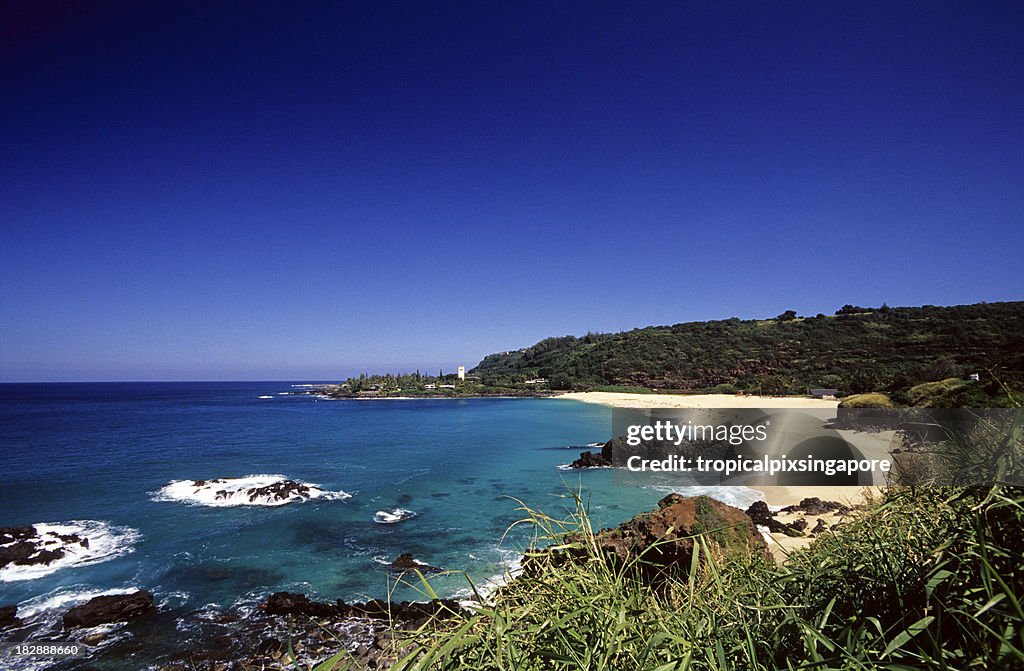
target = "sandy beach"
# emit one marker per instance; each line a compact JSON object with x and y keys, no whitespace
{"x":622,"y":400}
{"x":781,"y":545}
{"x":776,"y":497}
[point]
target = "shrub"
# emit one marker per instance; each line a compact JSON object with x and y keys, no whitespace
{"x":925,"y":579}
{"x":871,"y":400}
{"x":935,"y":394}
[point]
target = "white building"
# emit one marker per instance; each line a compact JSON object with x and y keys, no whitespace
{"x":462,"y":372}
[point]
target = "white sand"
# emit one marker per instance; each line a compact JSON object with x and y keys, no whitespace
{"x":778,"y":495}
{"x":620,"y":400}
{"x":780,"y":545}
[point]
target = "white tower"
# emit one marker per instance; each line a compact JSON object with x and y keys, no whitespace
{"x":462,"y":372}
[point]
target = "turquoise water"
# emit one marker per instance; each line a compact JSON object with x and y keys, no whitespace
{"x":100,"y":452}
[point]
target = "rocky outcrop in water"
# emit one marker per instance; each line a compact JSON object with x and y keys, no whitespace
{"x":285,"y":642}
{"x":288,"y":603}
{"x":590,"y":460}
{"x":277,"y":491}
{"x":406,"y":562}
{"x":602,"y":459}
{"x":25,"y":546}
{"x":616,"y":452}
{"x":291,"y":630}
{"x":289,"y":623}
{"x":8,"y":617}
{"x":109,"y":608}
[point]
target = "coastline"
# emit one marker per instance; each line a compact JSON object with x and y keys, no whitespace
{"x":624,"y":400}
{"x":253,"y":634}
{"x":781,"y":545}
{"x":337,"y":392}
{"x":776,"y":496}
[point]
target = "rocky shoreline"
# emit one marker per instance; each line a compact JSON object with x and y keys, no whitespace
{"x":287,"y":628}
{"x":812,"y":507}
{"x":283,"y":630}
{"x":290,"y":628}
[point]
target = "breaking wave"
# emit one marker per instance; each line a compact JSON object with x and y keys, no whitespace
{"x":53,"y":547}
{"x":393,"y":516}
{"x":251,"y":490}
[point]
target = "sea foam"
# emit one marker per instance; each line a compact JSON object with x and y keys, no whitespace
{"x":393,"y":516}
{"x":63,"y":598}
{"x":731,"y":495}
{"x":251,"y":490}
{"x":99,"y":542}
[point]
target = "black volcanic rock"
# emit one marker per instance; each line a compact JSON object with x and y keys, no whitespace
{"x":414,"y":612}
{"x":18,"y":545}
{"x":279,"y":491}
{"x":604,"y":458}
{"x":22,"y":533}
{"x":617,"y":451}
{"x":590,"y":460}
{"x":23,"y":545}
{"x":7,"y":617}
{"x":609,"y":448}
{"x":288,"y":603}
{"x":760,"y":514}
{"x":110,"y":608}
{"x":406,"y":562}
{"x":275,"y":491}
{"x":815,"y":506}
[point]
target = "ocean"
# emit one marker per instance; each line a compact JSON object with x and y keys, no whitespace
{"x":108,"y":460}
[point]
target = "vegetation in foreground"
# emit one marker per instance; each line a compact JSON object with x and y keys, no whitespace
{"x":924,"y":578}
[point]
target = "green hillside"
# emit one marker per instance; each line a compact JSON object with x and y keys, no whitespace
{"x":855,"y":350}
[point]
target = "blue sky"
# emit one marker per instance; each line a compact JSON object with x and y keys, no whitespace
{"x":223,"y":191}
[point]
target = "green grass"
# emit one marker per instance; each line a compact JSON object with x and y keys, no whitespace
{"x":935,"y":394}
{"x":925,"y":579}
{"x":623,"y":389}
{"x":869,"y":400}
